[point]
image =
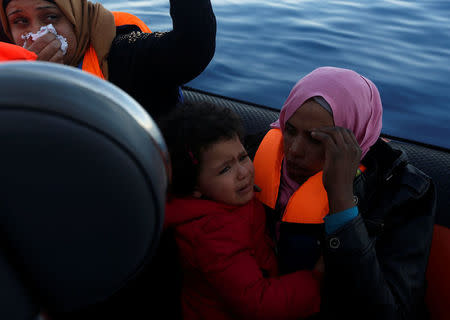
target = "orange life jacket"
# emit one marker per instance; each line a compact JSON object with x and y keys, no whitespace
{"x":10,"y":52}
{"x":309,"y":204}
{"x":90,"y":61}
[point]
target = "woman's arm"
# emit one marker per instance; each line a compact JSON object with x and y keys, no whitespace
{"x":382,"y":277}
{"x":150,"y":66}
{"x":379,"y":276}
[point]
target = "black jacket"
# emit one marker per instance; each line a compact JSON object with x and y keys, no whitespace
{"x":151,"y":66}
{"x":374,"y":265}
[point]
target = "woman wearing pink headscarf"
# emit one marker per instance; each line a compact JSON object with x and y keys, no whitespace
{"x":335,"y":190}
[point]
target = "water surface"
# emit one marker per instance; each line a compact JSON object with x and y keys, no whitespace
{"x":264,"y":47}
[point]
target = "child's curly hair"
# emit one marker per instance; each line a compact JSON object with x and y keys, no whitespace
{"x":188,"y":131}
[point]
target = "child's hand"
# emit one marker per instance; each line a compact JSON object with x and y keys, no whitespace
{"x":342,"y":157}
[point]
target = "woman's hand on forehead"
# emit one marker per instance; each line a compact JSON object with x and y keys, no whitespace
{"x":342,"y":157}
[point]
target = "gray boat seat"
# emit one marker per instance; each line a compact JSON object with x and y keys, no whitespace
{"x":83,"y":176}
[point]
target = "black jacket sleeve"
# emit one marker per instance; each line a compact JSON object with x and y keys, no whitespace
{"x":150,"y":67}
{"x":376,"y":270}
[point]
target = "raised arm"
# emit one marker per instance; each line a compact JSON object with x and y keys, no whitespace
{"x":375,"y":262}
{"x":381,"y":260}
{"x":153,"y":64}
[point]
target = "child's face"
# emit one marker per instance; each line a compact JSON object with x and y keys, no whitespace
{"x":226,"y":173}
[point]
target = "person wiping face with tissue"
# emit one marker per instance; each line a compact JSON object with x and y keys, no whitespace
{"x":41,"y":27}
{"x":118,"y":46}
{"x":43,"y":31}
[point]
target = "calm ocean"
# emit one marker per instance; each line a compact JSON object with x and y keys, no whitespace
{"x":265,"y":46}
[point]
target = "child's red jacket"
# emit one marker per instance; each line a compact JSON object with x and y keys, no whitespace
{"x":230,"y":270}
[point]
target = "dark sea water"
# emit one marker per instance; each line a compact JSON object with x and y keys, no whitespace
{"x":264,"y":47}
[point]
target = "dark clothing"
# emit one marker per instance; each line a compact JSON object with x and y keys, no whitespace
{"x":151,"y":66}
{"x":375,"y":264}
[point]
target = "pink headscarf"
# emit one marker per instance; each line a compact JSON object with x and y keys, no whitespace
{"x":354,"y":100}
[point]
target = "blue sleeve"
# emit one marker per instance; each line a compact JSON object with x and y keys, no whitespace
{"x":338,"y":219}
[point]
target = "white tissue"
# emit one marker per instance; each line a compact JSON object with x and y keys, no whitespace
{"x":44,"y":30}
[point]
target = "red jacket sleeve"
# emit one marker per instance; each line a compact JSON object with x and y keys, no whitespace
{"x":229,"y":265}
